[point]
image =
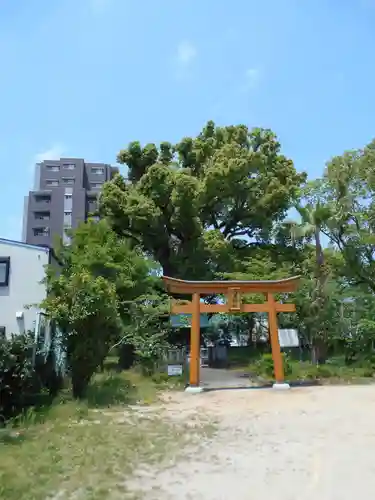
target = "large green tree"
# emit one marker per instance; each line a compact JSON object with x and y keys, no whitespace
{"x":197,"y":206}
{"x":336,"y":298}
{"x":313,"y":217}
{"x":348,"y":189}
{"x":90,"y":295}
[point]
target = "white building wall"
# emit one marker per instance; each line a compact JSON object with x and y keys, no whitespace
{"x":25,"y":288}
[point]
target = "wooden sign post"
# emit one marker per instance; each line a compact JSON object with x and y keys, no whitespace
{"x":233,"y":290}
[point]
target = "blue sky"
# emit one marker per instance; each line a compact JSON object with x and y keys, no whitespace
{"x":84,"y":77}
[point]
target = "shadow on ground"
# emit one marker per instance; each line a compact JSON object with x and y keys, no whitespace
{"x":302,"y":383}
{"x":218,"y":379}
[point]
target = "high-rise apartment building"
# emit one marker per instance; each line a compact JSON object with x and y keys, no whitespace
{"x":65,"y":193}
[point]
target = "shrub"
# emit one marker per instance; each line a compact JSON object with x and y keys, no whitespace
{"x":264,"y":366}
{"x":368,"y":367}
{"x":336,"y":361}
{"x":325,"y":371}
{"x":335,"y":371}
{"x":160,"y":377}
{"x":17,"y":376}
{"x":368,"y":372}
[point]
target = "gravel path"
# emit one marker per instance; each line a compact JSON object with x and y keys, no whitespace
{"x":311,"y":443}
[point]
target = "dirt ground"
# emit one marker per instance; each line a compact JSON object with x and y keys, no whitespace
{"x":311,"y":443}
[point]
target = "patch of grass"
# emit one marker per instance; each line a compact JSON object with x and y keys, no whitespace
{"x":86,"y":450}
{"x":111,"y":363}
{"x":333,"y":371}
{"x":128,"y":387}
{"x":87,"y":457}
{"x":161,"y":379}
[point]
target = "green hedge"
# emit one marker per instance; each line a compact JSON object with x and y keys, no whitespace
{"x":17,"y":376}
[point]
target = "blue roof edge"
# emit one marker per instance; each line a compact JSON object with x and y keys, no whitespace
{"x":24,"y":245}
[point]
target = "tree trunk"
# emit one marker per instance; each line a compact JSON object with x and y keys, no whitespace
{"x":79,"y":385}
{"x":126,"y":356}
{"x":250,"y":323}
{"x":314,"y":355}
{"x":320,"y":347}
{"x":163,"y":256}
{"x":319,"y":254}
{"x":319,"y":351}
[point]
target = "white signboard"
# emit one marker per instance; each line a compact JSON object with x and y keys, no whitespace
{"x":174,"y":370}
{"x":288,"y":337}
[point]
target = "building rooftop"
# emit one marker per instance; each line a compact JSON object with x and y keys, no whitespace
{"x":24,"y":245}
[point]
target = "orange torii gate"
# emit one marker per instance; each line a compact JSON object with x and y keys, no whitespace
{"x":233,"y":290}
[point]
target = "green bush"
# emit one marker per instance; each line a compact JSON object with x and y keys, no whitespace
{"x":263,"y":367}
{"x":163,"y":379}
{"x":160,"y":377}
{"x":17,"y":376}
{"x":368,"y":372}
{"x":334,"y":369}
{"x":321,"y":371}
{"x":336,"y":361}
{"x":367,"y":366}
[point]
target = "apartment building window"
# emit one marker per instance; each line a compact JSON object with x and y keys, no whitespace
{"x":52,"y":182}
{"x":69,"y":166}
{"x":41,"y":231}
{"x":68,"y":181}
{"x":96,"y":185}
{"x":42,"y":215}
{"x":68,"y":218}
{"x":53,"y":168}
{"x":97,"y":170}
{"x":42,"y":198}
{"x":68,"y":202}
{"x":4,"y":271}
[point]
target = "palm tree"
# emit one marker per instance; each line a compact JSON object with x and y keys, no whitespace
{"x":313,"y":220}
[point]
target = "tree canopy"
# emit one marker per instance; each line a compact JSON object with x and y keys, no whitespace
{"x":348,"y":188}
{"x":198,"y":205}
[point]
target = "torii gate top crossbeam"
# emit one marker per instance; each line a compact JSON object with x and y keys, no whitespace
{"x":182,"y":287}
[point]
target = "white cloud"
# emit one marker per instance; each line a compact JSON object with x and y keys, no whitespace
{"x":184,"y":60}
{"x":186,"y":53}
{"x":55,"y":152}
{"x":252,"y":77}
